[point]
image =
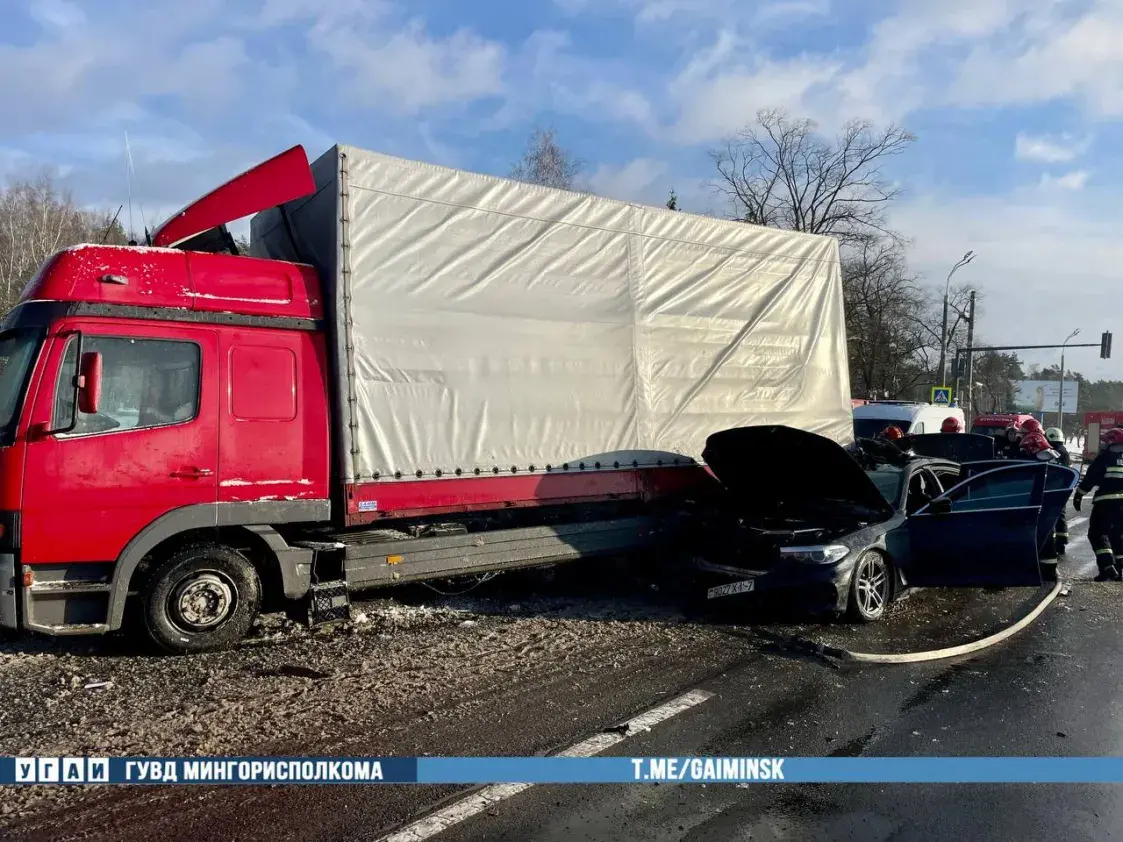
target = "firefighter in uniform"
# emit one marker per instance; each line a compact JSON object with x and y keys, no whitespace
{"x":1105,"y":474}
{"x":951,"y":425}
{"x":1011,"y":444}
{"x":1036,"y":447}
{"x":1056,"y":440}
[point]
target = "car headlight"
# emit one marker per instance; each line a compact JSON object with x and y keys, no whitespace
{"x":815,"y":555}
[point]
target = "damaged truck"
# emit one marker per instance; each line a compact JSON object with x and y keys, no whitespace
{"x":419,"y":373}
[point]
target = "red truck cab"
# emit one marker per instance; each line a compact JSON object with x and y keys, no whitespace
{"x":149,"y":393}
{"x":1094,"y":425}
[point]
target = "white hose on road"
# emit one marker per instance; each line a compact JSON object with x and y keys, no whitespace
{"x":937,"y":654}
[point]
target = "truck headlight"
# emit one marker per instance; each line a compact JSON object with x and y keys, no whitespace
{"x":827,"y":554}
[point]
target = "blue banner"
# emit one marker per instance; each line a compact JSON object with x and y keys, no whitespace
{"x":213,"y":771}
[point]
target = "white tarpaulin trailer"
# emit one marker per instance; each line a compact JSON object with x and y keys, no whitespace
{"x":485,"y":323}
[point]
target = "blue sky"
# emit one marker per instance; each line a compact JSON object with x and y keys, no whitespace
{"x":1017,"y":105}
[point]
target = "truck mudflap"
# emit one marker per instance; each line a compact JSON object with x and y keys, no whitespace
{"x":9,"y":592}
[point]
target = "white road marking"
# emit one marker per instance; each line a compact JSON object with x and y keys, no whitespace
{"x":480,"y":801}
{"x":1076,"y":521}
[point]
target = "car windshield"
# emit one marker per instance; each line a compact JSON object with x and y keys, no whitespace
{"x":17,"y":351}
{"x":888,"y":480}
{"x":867,"y":428}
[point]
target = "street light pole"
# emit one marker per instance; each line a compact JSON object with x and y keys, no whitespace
{"x":967,"y":258}
{"x":1061,"y":393}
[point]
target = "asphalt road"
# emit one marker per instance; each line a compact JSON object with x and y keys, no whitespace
{"x":1056,"y":689}
{"x":1053,"y":689}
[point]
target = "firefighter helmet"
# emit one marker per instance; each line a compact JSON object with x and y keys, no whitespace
{"x":895,"y":433}
{"x":1112,"y":436}
{"x":1032,"y":425}
{"x":1034,"y":443}
{"x":951,"y":425}
{"x":1054,"y":435}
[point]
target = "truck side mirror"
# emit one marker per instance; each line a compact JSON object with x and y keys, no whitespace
{"x":89,"y":382}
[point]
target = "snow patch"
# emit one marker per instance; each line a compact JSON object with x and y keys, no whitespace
{"x":207,"y":295}
{"x":136,"y":249}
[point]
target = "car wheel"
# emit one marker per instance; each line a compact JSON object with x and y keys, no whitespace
{"x":203,"y":598}
{"x":871,"y":588}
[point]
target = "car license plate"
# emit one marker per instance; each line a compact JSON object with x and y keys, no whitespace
{"x":730,"y":589}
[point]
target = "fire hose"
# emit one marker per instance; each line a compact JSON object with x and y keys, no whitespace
{"x":936,"y":654}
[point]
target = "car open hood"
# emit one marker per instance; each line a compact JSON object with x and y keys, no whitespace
{"x":958,"y":447}
{"x":770,"y":466}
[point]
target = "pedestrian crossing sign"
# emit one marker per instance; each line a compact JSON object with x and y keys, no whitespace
{"x":941,"y":395}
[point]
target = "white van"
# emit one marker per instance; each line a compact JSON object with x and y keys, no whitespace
{"x":912,"y":417}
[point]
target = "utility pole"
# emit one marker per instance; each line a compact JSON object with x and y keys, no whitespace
{"x":970,"y":361}
{"x":967,"y":258}
{"x":1061,"y":391}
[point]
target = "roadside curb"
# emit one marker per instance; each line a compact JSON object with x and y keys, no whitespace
{"x":934,"y":654}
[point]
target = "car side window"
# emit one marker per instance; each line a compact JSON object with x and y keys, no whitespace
{"x":145,"y":383}
{"x":923,"y":489}
{"x":1005,"y":488}
{"x":918,"y":429}
{"x":1057,"y":478}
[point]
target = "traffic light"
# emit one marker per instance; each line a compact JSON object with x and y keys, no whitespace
{"x":1105,"y":345}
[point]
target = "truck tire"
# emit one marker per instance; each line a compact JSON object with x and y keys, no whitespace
{"x":201,"y":599}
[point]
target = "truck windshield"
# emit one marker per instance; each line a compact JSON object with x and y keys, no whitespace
{"x":17,"y":352}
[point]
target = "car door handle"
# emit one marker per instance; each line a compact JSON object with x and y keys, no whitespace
{"x":192,"y":473}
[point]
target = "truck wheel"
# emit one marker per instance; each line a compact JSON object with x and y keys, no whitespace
{"x":871,"y":588}
{"x":201,"y":599}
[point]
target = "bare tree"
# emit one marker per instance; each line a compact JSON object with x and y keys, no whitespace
{"x":546,"y":162}
{"x":887,"y":346}
{"x":36,"y":220}
{"x":781,"y":172}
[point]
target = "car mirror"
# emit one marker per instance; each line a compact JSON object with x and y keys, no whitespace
{"x":940,"y":506}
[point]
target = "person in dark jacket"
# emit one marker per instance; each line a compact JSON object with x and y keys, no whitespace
{"x":1056,"y":440}
{"x":1105,"y":474}
{"x":1036,"y":447}
{"x":1009,"y":447}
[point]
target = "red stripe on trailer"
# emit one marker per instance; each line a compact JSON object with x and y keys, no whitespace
{"x":373,"y":501}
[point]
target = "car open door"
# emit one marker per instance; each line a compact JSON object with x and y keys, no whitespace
{"x":983,"y":531}
{"x":1059,"y":484}
{"x":957,"y":447}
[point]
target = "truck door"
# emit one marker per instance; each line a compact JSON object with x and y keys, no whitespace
{"x":151,"y":447}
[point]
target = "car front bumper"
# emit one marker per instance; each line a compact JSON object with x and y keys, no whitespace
{"x":816,"y":588}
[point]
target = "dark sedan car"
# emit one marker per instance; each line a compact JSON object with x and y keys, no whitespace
{"x":804,"y":519}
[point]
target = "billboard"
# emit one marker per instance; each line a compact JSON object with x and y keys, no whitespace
{"x":1044,"y":395}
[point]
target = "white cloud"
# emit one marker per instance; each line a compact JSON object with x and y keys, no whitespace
{"x":1074,"y":180}
{"x":1033,"y":246}
{"x":1052,"y":55}
{"x":57,"y":14}
{"x":1050,"y":149}
{"x":408,"y":70}
{"x":633,"y":181}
